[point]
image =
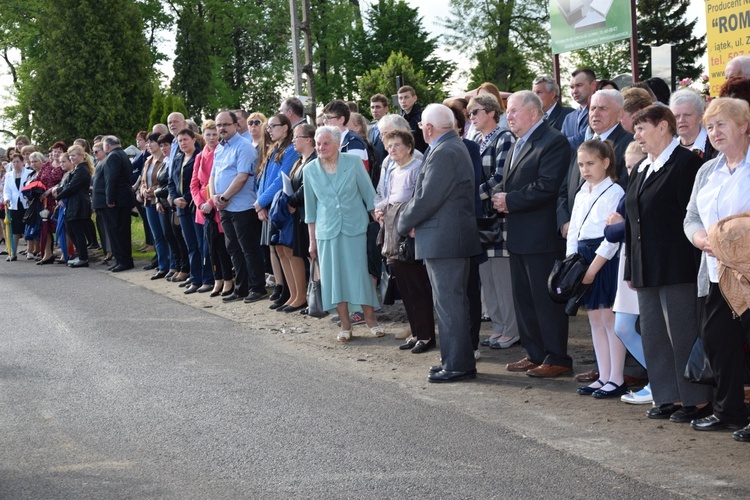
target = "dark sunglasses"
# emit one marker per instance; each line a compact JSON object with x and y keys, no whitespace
{"x":254,"y":122}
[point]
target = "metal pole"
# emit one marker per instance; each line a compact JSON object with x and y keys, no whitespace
{"x":295,"y":48}
{"x":634,"y":42}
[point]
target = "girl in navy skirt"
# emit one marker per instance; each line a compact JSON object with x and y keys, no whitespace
{"x":597,"y":198}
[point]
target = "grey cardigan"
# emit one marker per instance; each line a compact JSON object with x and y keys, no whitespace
{"x":693,"y":222}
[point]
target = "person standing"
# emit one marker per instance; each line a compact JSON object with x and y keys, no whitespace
{"x":549,"y":92}
{"x":120,"y":201}
{"x":442,"y":221}
{"x":582,"y":86}
{"x":378,"y":109}
{"x":532,"y":178}
{"x":412,"y":113}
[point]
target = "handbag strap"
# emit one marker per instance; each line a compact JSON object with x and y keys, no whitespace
{"x":590,"y":209}
{"x":313,"y":266}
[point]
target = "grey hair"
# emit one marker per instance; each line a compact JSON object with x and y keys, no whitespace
{"x":688,"y":96}
{"x":744,"y":65}
{"x":614,"y":95}
{"x":549,"y":82}
{"x":111,"y":141}
{"x":439,"y":116}
{"x":397,"y":122}
{"x":529,"y":100}
{"x":36,"y":155}
{"x":334,"y":132}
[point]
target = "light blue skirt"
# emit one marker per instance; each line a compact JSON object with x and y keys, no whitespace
{"x":343,"y":273}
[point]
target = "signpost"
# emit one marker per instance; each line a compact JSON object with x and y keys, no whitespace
{"x":727,"y":36}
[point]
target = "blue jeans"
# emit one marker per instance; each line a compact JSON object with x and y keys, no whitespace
{"x":200,"y":273}
{"x":160,"y":242}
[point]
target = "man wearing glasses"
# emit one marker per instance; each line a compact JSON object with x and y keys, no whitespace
{"x":232,"y":189}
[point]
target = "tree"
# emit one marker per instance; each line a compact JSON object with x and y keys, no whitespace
{"x":192,"y":63}
{"x":507,"y":40}
{"x":607,"y":60}
{"x":155,"y":19}
{"x":660,"y":22}
{"x":88,"y":72}
{"x":383,"y":80}
{"x":393,"y":26}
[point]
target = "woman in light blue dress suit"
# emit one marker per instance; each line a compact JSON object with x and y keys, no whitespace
{"x":338,"y":195}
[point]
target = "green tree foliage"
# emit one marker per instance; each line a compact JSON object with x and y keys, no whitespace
{"x":192,"y":64}
{"x":155,"y":20}
{"x":393,"y":26}
{"x":507,"y":40}
{"x":607,"y":60}
{"x":383,"y":80}
{"x":662,"y":21}
{"x":88,"y":72}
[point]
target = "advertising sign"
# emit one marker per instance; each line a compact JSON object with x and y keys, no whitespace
{"x":727,"y":36}
{"x":577,"y":24}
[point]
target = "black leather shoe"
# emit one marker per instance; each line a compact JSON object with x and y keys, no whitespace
{"x":742,"y":435}
{"x":615,"y":392}
{"x":712,"y":423}
{"x":485,"y":342}
{"x":663,"y":411}
{"x":159,"y":275}
{"x":409,"y":345}
{"x":190,"y":289}
{"x":228,"y":292}
{"x":120,"y":268}
{"x":588,"y":391}
{"x":79,"y":263}
{"x":436,"y":368}
{"x":110,"y":268}
{"x":291,"y":309}
{"x":232,"y":298}
{"x":149,"y":267}
{"x":690,"y":413}
{"x":422,"y":346}
{"x":445,"y":376}
{"x":255,"y":296}
{"x":276,"y":306}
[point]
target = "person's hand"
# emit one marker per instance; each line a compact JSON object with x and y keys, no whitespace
{"x":218,"y":203}
{"x":159,"y":208}
{"x":499,"y":202}
{"x":588,"y":278}
{"x":378,"y":215}
{"x":412,"y":233}
{"x":111,"y":205}
{"x":263,"y":214}
{"x":564,"y":230}
{"x":180,"y":202}
{"x":630,"y":285}
{"x":291,"y":208}
{"x":702,"y":243}
{"x":313,"y":249}
{"x":206,"y":208}
{"x":614,"y":218}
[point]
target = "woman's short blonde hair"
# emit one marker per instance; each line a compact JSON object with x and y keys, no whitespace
{"x":728,"y":108}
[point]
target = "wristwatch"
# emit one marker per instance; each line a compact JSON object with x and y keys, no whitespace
{"x":225,"y":200}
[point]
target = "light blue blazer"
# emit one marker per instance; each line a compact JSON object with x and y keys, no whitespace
{"x":338,"y":203}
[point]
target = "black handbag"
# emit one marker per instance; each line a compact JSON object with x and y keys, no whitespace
{"x":406,"y":251}
{"x":490,"y":231}
{"x":314,"y":293}
{"x":698,"y":370}
{"x":565,"y":280}
{"x":388,"y":286}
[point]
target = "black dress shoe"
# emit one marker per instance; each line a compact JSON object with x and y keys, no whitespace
{"x":663,"y":411}
{"x":255,"y":296}
{"x":446,"y":376}
{"x":185,"y":283}
{"x":277,"y":290}
{"x":281,"y":308}
{"x":712,"y":423}
{"x":110,"y":268}
{"x":149,"y":267}
{"x":689,"y":413}
{"x":422,"y":346}
{"x":409,"y":345}
{"x":215,"y":294}
{"x":79,"y":263}
{"x":291,"y":309}
{"x":228,"y":292}
{"x":190,"y":289}
{"x":436,"y":368}
{"x":742,"y":435}
{"x":276,"y":306}
{"x":45,"y":261}
{"x":615,"y":392}
{"x":588,"y":391}
{"x":232,"y":298}
{"x":485,"y":342}
{"x":159,"y":275}
{"x":169,"y":275}
{"x":120,"y":268}
{"x":205,"y":288}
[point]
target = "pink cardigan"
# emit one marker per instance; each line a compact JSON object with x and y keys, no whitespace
{"x":204,"y":162}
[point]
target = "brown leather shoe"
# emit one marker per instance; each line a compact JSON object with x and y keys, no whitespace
{"x":521,"y":366}
{"x":635,"y":382}
{"x":590,"y":376}
{"x":548,"y":371}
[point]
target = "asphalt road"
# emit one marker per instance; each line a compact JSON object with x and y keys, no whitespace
{"x":111,"y":391}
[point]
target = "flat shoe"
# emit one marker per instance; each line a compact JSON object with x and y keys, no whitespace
{"x":215,"y":294}
{"x":228,"y":292}
{"x":205,"y":288}
{"x":255,"y":296}
{"x":377,"y":331}
{"x":712,"y":423}
{"x":505,"y":344}
{"x":689,"y":413}
{"x":190,"y":289}
{"x":344,"y":336}
{"x":742,"y":435}
{"x":617,"y":391}
{"x":291,"y":309}
{"x":447,"y":376}
{"x":422,"y":346}
{"x":159,"y":275}
{"x":588,"y":391}
{"x":662,"y":411}
{"x":409,"y":345}
{"x":232,"y":298}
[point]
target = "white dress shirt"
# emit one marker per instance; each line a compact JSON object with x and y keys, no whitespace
{"x":604,"y":197}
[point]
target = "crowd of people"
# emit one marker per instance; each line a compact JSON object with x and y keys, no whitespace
{"x":461,"y":210}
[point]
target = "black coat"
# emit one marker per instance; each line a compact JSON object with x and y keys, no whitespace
{"x":117,"y":186}
{"x":75,"y":193}
{"x":657,"y":252}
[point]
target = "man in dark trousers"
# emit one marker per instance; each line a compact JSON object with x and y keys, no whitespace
{"x":442,"y":220}
{"x":532,"y":177}
{"x":120,"y":201}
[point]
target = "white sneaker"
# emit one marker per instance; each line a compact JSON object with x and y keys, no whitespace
{"x":642,"y":397}
{"x":477,"y":355}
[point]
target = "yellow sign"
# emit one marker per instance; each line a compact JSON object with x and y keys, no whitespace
{"x":727,"y":36}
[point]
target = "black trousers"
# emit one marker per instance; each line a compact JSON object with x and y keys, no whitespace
{"x":542,"y":323}
{"x":177,"y":246}
{"x":117,"y":220}
{"x":77,"y":229}
{"x":416,"y":292}
{"x":474,"y":293}
{"x":723,"y":339}
{"x":242,"y":233}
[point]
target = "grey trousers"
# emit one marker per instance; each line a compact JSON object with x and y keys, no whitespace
{"x":669,"y":327}
{"x":448,"y":278}
{"x":498,"y":295}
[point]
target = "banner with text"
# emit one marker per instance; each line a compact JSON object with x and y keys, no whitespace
{"x":727,"y":36}
{"x":577,"y":24}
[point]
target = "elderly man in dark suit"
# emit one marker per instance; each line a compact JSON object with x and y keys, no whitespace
{"x":441,"y":218}
{"x":533,"y":175}
{"x":549,"y":92}
{"x":120,"y":201}
{"x":604,"y":119}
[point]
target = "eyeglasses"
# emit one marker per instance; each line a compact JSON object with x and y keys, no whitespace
{"x":329,"y":117}
{"x":254,"y":122}
{"x":272,"y":126}
{"x":395,"y":145}
{"x":294,"y":138}
{"x":223,"y":125}
{"x":474,"y":112}
{"x":97,"y":151}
